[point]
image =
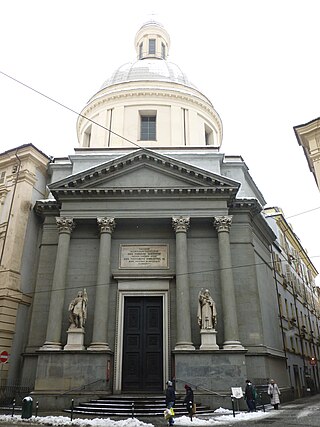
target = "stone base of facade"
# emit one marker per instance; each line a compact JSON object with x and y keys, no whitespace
{"x":211,"y":370}
{"x":71,"y":370}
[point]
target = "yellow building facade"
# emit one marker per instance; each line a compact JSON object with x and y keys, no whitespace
{"x":22,"y":182}
{"x":308,"y":136}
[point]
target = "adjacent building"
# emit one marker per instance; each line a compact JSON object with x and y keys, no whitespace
{"x":308,"y":136}
{"x":23,"y":179}
{"x":298,"y":304}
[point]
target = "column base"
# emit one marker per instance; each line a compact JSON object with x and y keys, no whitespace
{"x":75,"y":339}
{"x":51,"y":346}
{"x":99,"y":346}
{"x":208,"y":339}
{"x":233,"y":345}
{"x":185,"y":346}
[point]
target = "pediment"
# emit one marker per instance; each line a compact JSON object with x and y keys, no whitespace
{"x":141,"y":171}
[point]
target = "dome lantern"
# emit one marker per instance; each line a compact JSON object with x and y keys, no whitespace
{"x":152,"y":41}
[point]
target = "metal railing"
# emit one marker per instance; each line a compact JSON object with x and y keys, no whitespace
{"x":92,"y":386}
{"x":17,"y":392}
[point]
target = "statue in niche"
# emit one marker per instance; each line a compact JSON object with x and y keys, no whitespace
{"x":207,"y":313}
{"x":78,"y":310}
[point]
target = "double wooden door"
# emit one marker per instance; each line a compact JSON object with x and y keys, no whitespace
{"x":142,"y":368}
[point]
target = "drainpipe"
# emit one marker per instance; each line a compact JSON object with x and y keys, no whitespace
{"x":279,"y":310}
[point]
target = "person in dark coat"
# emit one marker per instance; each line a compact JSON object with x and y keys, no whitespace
{"x":188,"y":400}
{"x":170,"y":399}
{"x":250,"y":396}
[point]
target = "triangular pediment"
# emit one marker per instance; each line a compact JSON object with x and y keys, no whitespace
{"x":144,"y":170}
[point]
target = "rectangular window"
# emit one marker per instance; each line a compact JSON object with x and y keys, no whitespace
{"x":208,"y":135}
{"x":152,"y":46}
{"x":140,"y":50}
{"x":292,"y":344}
{"x":148,"y":128}
{"x":163,"y":51}
{"x":2,"y":177}
{"x":280,"y":305}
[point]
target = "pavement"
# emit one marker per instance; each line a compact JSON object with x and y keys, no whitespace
{"x":301,"y":412}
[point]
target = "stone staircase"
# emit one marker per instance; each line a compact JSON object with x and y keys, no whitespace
{"x":132,"y":406}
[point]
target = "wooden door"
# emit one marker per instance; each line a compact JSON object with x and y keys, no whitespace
{"x":142,"y":368}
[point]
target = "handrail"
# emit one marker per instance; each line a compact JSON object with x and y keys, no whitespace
{"x":198,"y":387}
{"x":83,"y":387}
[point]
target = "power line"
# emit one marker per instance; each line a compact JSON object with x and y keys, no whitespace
{"x":304,"y":212}
{"x":269,"y":264}
{"x":69,"y":109}
{"x":103,"y":127}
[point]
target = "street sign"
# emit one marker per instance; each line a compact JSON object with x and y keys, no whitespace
{"x":313,"y":361}
{"x":4,"y":356}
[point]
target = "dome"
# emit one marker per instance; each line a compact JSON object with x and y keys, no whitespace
{"x":149,"y":100}
{"x":148,"y":69}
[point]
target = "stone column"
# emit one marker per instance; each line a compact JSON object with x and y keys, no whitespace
{"x":230,"y":321}
{"x":100,"y":321}
{"x":181,"y":225}
{"x":53,"y":337}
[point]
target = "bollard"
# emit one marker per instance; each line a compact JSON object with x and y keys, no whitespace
{"x":13,"y":406}
{"x":132,"y":410}
{"x":72,"y":406}
{"x":37,"y":407}
{"x":264,"y":409}
{"x":232,"y":401}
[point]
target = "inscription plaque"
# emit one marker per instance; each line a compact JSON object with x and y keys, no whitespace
{"x":144,"y":256}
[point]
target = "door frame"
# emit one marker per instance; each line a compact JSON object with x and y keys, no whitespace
{"x":142,"y":288}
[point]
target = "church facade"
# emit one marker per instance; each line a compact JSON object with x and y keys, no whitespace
{"x":148,"y":219}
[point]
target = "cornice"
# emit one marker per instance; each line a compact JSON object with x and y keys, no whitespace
{"x":47,"y":207}
{"x":198,"y":176}
{"x":145,"y":192}
{"x":252,"y":205}
{"x":151,"y":92}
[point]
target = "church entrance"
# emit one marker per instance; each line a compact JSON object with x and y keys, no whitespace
{"x":142,"y":363}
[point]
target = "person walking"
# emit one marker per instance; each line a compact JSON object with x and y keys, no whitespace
{"x":188,"y":400}
{"x":250,"y":395}
{"x":274,"y":393}
{"x":170,"y":401}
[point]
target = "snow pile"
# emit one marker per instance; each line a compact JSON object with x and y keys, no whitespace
{"x":65,"y":421}
{"x":223,"y":415}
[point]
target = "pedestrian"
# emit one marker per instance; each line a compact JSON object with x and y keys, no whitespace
{"x":188,"y":400}
{"x":170,"y":401}
{"x":250,"y":395}
{"x":274,"y":393}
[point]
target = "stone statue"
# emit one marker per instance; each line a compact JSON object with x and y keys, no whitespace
{"x":207,"y":314}
{"x":78,"y":310}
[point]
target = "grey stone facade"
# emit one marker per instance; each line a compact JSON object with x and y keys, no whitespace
{"x":143,"y":191}
{"x":144,"y":230}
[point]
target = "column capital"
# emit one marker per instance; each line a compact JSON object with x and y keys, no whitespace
{"x":181,"y":223}
{"x":106,"y":224}
{"x":65,"y":224}
{"x":222,"y":223}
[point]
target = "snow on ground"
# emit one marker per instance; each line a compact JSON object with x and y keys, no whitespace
{"x":223,"y":416}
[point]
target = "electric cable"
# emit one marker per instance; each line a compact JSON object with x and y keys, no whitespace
{"x":69,"y":109}
{"x":104,"y":127}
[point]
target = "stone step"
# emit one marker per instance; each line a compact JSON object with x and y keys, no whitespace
{"x":132,"y":406}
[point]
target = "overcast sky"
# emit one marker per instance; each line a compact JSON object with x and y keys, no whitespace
{"x":256,"y":60}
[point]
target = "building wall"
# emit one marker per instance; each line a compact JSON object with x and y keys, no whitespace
{"x":25,"y":179}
